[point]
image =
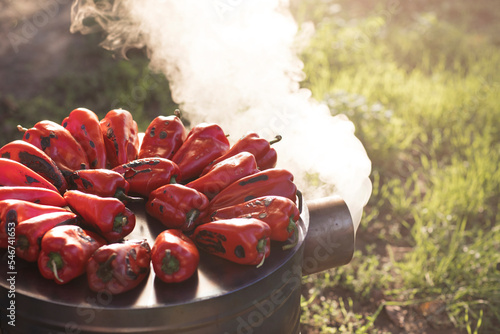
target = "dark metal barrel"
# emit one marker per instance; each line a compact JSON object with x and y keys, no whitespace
{"x":223,"y":297}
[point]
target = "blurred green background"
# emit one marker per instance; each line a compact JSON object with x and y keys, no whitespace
{"x":421,"y":82}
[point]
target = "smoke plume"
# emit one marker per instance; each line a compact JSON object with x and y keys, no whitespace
{"x":234,"y":62}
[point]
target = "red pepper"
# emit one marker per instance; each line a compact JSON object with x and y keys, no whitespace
{"x":36,"y":160}
{"x":224,"y":173}
{"x":240,"y":240}
{"x":121,"y":137}
{"x":14,"y":211}
{"x":107,"y":215}
{"x":163,"y":137}
{"x":29,"y":233}
{"x":65,"y":251}
{"x":14,"y":173}
{"x":280,"y":213}
{"x":204,"y":143}
{"x":175,"y":257}
{"x":119,"y":267}
{"x":145,"y":175}
{"x":33,"y":194}
{"x":270,"y":182}
{"x":59,"y":144}
{"x":177,"y":206}
{"x":101,"y":182}
{"x":265,"y":155}
{"x":84,"y":125}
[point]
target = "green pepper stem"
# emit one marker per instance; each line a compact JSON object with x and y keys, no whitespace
{"x":170,"y":264}
{"x":119,"y":222}
{"x":55,"y":263}
{"x":191,"y":216}
{"x":105,"y":271}
{"x":275,"y":140}
{"x":21,"y":128}
{"x":22,"y":242}
{"x":292,"y":226}
{"x":173,"y":179}
{"x":122,"y":196}
{"x":261,"y":248}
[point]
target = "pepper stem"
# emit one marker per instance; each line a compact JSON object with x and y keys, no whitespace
{"x":22,"y":242}
{"x":21,"y":128}
{"x":191,"y":216}
{"x":55,"y":263}
{"x":275,"y":140}
{"x":119,"y":222}
{"x":170,"y":263}
{"x":261,"y":248}
{"x":122,"y":196}
{"x":105,"y":271}
{"x":292,"y":226}
{"x":177,"y":112}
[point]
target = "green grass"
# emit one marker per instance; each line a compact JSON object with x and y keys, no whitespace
{"x":423,"y":92}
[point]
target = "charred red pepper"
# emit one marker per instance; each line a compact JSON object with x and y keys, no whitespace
{"x":59,"y":144}
{"x":101,"y":182}
{"x":36,"y":160}
{"x":119,"y":267}
{"x":240,"y":240}
{"x":14,"y":174}
{"x":145,"y":175}
{"x":29,"y":233}
{"x":33,"y":194}
{"x":174,"y":256}
{"x":121,"y":137}
{"x":84,"y":125}
{"x":65,"y":251}
{"x":14,"y":211}
{"x":204,"y":143}
{"x":163,"y":137}
{"x":177,"y":206}
{"x":107,"y":215}
{"x":224,"y":173}
{"x":270,"y":182}
{"x":264,"y":154}
{"x":280,"y":213}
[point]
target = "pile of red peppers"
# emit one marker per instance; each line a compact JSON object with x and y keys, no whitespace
{"x":65,"y":190}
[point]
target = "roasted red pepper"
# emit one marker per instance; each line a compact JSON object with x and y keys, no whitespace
{"x":36,"y":160}
{"x":65,"y":251}
{"x":224,"y":173}
{"x":14,"y":174}
{"x":270,"y":182}
{"x":177,"y":206}
{"x":240,"y":240}
{"x":145,"y":175}
{"x":204,"y":143}
{"x":101,"y":182}
{"x":29,"y":233}
{"x":119,"y":267}
{"x":14,"y":211}
{"x":163,"y":137}
{"x":33,"y":194}
{"x":280,"y":213}
{"x":59,"y":144}
{"x":121,"y":137}
{"x":84,"y":125}
{"x":264,"y":154}
{"x":174,"y":256}
{"x":107,"y":215}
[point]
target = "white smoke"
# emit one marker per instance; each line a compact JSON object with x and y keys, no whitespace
{"x":235,"y":62}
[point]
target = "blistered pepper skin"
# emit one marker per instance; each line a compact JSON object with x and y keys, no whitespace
{"x":15,"y":174}
{"x":119,"y":267}
{"x":84,"y":125}
{"x":36,"y":160}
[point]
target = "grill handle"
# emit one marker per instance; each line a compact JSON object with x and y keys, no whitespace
{"x":329,"y":242}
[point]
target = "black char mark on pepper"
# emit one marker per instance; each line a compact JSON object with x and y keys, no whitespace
{"x":40,"y":166}
{"x":211,"y":242}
